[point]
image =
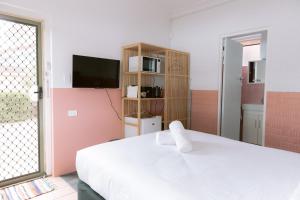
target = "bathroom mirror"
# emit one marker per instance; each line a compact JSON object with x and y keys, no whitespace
{"x":256,"y":71}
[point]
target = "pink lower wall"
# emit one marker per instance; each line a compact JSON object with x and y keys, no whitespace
{"x":96,"y":123}
{"x":283,"y":121}
{"x":251,"y":93}
{"x":204,"y":113}
{"x":282,"y":128}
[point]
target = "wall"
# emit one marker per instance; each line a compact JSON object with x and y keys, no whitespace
{"x":251,"y":93}
{"x":87,"y":27}
{"x":96,"y":122}
{"x":282,"y":123}
{"x":201,"y":34}
{"x":204,"y":111}
{"x":96,"y":28}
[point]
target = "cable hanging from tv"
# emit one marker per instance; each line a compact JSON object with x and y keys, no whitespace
{"x":112,"y":106}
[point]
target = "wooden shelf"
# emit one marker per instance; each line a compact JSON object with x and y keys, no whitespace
{"x":145,"y":73}
{"x":181,"y":119}
{"x":142,"y":99}
{"x":131,"y":124}
{"x":151,"y":99}
{"x":174,"y":80}
{"x":171,"y":98}
{"x":145,"y":47}
{"x":177,"y":75}
{"x":151,"y":47}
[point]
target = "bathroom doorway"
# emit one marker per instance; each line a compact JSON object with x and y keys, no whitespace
{"x":243,"y":87}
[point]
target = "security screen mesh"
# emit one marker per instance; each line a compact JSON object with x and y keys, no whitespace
{"x":19,"y":135}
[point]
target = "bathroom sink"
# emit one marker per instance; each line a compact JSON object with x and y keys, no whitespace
{"x":254,"y":107}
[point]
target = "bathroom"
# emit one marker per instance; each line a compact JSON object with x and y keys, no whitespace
{"x":253,"y":90}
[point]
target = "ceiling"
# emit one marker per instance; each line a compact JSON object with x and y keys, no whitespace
{"x":182,"y":7}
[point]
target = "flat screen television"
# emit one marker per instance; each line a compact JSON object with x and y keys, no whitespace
{"x":91,"y":72}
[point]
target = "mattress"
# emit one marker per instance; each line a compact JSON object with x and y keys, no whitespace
{"x":217,"y":169}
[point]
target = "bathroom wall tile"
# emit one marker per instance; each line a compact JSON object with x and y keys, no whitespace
{"x":283,"y":121}
{"x":251,"y":93}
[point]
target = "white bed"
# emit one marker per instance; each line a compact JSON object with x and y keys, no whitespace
{"x":217,"y":169}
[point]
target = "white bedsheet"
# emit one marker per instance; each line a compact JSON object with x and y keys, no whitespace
{"x":217,"y":169}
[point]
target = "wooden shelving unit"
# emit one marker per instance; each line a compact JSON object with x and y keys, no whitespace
{"x":143,"y":99}
{"x":174,"y":79}
{"x":145,"y":73}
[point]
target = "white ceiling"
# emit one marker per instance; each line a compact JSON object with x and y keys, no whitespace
{"x":182,"y":7}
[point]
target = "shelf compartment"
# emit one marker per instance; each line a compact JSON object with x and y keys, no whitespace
{"x":173,"y":78}
{"x":144,"y":47}
{"x":145,"y":73}
{"x":131,"y":124}
{"x":142,"y":99}
{"x":177,"y":75}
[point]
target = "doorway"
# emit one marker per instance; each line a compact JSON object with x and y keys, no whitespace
{"x":21,"y":150}
{"x":243,"y":92}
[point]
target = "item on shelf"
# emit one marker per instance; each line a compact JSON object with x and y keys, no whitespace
{"x":146,"y":92}
{"x":132,"y":91}
{"x":148,"y":125}
{"x":157,"y":92}
{"x":151,"y":92}
{"x":143,"y":115}
{"x":149,"y":64}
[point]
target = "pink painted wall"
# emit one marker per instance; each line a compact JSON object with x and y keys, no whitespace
{"x":96,"y":123}
{"x":204,"y":114}
{"x":251,"y":93}
{"x":282,"y":128}
{"x":282,"y":121}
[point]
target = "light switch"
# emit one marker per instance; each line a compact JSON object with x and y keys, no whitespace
{"x":72,"y":113}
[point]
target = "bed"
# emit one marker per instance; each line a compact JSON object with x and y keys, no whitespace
{"x":217,"y":169}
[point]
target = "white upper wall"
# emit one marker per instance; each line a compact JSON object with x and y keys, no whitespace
{"x":91,"y":27}
{"x":100,"y":27}
{"x":201,"y":34}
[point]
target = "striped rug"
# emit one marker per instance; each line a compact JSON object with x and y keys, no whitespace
{"x":26,"y":190}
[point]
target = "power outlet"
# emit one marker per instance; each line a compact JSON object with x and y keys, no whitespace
{"x":72,"y":113}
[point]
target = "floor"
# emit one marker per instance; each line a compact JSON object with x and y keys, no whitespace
{"x":63,"y":189}
{"x":71,"y":179}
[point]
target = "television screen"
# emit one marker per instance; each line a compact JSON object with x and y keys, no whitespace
{"x":90,"y":72}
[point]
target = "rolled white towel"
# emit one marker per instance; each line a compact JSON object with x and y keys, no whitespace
{"x":177,"y":130}
{"x":176,"y":125}
{"x":164,"y":138}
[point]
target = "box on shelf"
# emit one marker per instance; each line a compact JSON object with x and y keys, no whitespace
{"x":148,"y":125}
{"x":132,"y":91}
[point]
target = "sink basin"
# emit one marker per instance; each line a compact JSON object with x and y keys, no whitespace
{"x":253,"y":107}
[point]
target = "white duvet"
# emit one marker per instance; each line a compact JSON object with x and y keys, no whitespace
{"x":217,"y":169}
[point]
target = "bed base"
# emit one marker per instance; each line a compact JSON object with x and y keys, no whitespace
{"x":85,"y":192}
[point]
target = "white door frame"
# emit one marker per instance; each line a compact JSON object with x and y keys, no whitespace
{"x":220,"y":73}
